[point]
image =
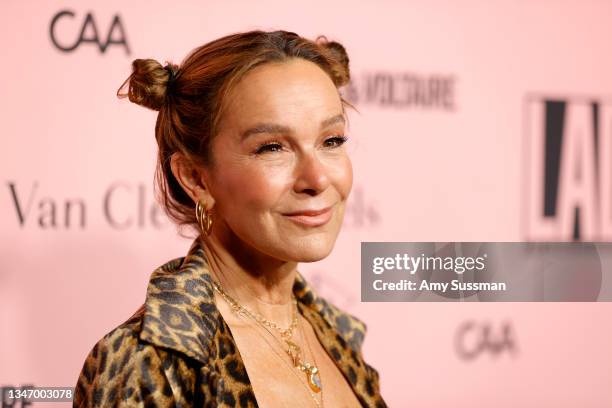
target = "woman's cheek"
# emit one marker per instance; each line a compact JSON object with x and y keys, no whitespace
{"x":259,"y":185}
{"x":343,"y":176}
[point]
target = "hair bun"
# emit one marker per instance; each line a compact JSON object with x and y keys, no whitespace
{"x":149,"y":83}
{"x":338,"y":53}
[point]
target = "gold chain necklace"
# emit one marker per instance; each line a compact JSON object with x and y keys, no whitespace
{"x":305,"y":340}
{"x":299,"y":378}
{"x":294,"y":351}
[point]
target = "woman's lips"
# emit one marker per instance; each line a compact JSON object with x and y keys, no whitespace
{"x":312,"y":218}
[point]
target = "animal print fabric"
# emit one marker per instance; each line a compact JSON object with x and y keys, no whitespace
{"x":177,"y":350}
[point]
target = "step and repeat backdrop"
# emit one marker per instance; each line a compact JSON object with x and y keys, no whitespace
{"x":475,"y":121}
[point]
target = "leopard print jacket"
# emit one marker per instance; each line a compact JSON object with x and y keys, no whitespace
{"x":177,"y":350}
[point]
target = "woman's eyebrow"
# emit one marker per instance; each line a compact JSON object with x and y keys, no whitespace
{"x":276,"y":128}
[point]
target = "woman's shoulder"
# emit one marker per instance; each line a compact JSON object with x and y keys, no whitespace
{"x":121,"y":369}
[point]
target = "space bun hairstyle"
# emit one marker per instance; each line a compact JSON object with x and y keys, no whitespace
{"x":190,"y":97}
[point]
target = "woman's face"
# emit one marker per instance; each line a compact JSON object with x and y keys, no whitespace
{"x":279,"y":152}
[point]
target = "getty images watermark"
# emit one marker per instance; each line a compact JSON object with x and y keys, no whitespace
{"x":486,"y":271}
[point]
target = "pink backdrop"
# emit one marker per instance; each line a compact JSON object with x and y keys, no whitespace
{"x":453,"y":168}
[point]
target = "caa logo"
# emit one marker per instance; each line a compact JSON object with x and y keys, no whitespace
{"x":567,"y":169}
{"x":65,"y":21}
{"x":473,"y":339}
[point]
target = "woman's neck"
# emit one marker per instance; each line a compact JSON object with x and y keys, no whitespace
{"x":255,"y":280}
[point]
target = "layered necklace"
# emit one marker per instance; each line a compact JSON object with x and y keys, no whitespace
{"x":294,"y":351}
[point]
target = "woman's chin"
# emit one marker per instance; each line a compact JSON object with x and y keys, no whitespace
{"x":310,"y":250}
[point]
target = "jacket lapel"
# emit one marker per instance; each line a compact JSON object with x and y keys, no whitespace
{"x":341,"y":335}
{"x":180,"y":314}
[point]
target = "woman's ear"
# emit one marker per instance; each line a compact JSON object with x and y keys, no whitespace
{"x":192,"y":179}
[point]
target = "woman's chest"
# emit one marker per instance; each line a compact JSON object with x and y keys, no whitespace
{"x":279,"y":379}
{"x":275,"y":375}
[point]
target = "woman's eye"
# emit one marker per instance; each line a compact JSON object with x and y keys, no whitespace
{"x":269,"y":147}
{"x":335,"y":141}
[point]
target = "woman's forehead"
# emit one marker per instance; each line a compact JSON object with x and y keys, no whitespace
{"x":277,"y":91}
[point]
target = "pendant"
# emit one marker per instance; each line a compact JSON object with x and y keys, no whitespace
{"x":294,"y":351}
{"x":313,"y":378}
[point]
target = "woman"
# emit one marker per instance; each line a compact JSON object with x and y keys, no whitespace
{"x":251,"y":133}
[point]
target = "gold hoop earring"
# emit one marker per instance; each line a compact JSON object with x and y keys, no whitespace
{"x":204,"y":218}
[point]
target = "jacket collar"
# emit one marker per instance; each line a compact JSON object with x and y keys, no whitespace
{"x":180,"y":311}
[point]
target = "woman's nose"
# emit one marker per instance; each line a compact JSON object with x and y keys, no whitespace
{"x":312,"y":174}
